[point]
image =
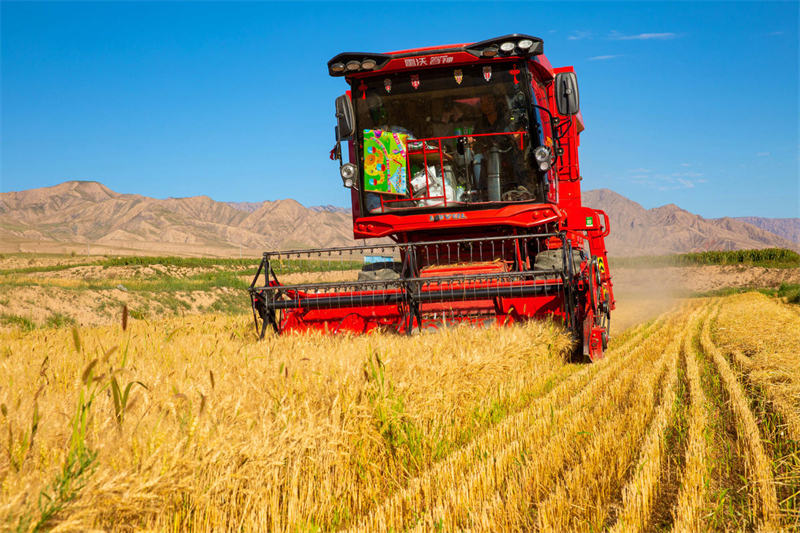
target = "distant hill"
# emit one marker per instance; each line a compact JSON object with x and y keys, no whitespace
{"x":670,"y":229}
{"x":247,"y":207}
{"x":788,"y":228}
{"x":91,"y":213}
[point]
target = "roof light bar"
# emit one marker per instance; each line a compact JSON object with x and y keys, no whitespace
{"x":349,"y":63}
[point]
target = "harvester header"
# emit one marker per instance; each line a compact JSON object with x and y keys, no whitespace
{"x":462,"y":166}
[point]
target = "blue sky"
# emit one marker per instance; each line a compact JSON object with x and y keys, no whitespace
{"x":688,"y":103}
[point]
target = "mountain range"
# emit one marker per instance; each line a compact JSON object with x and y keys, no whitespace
{"x":90,"y":213}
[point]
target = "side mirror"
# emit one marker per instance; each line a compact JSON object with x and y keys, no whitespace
{"x":344,"y":116}
{"x":566,"y":92}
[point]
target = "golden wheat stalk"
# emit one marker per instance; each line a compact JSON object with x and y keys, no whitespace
{"x":766,"y":334}
{"x":788,"y":413}
{"x":760,"y":465}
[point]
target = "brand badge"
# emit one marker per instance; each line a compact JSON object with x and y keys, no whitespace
{"x":487,"y":73}
{"x":447,"y":216}
{"x":415,"y":80}
{"x":459,"y":76}
{"x":387,"y":84}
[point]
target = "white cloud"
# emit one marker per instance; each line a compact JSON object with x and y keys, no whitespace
{"x":602,"y":58}
{"x":616,"y":36}
{"x":763,"y":154}
{"x":578,"y":35}
{"x":688,"y":174}
{"x":664,"y":182}
{"x":686,"y":164}
{"x":776,"y":33}
{"x":640,"y":170}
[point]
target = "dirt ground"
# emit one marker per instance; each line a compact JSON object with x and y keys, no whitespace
{"x":643,"y":293}
{"x":13,"y":245}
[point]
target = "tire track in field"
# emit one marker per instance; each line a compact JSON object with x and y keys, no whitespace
{"x":439,"y":484}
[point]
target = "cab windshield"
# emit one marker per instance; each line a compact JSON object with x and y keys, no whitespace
{"x":449,"y":137}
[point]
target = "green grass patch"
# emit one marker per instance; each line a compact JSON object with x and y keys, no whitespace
{"x":187,"y":262}
{"x":48,"y":268}
{"x":200,"y":282}
{"x":789,"y":291}
{"x":25,"y":324}
{"x":59,"y":320}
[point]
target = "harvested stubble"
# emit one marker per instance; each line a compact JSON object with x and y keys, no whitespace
{"x":694,"y":482}
{"x":640,"y":493}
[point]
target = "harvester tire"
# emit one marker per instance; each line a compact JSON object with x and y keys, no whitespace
{"x":554,"y":260}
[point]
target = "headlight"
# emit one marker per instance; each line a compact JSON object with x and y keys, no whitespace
{"x":337,"y":67}
{"x":507,"y":47}
{"x":542,"y":154}
{"x":544,"y":166}
{"x":353,"y":65}
{"x":490,"y":52}
{"x":348,"y":172}
{"x":525,"y":44}
{"x":368,"y":64}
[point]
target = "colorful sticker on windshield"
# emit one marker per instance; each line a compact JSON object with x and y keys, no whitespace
{"x":415,"y":80}
{"x":387,"y":84}
{"x":487,"y":73}
{"x":514,"y":71}
{"x":363,"y":89}
{"x":385,"y":157}
{"x":459,"y":76}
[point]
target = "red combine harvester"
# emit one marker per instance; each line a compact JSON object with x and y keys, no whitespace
{"x":463,"y":163}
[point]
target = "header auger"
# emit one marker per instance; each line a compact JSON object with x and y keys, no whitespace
{"x":466,"y":158}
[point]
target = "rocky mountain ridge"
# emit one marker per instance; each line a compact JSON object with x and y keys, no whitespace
{"x":90,"y":212}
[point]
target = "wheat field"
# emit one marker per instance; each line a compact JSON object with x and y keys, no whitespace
{"x":192,"y":424}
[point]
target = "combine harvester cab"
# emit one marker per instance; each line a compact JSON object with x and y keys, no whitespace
{"x":463,"y":171}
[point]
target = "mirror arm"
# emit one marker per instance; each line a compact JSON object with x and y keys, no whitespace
{"x":553,"y":133}
{"x":339,"y":144}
